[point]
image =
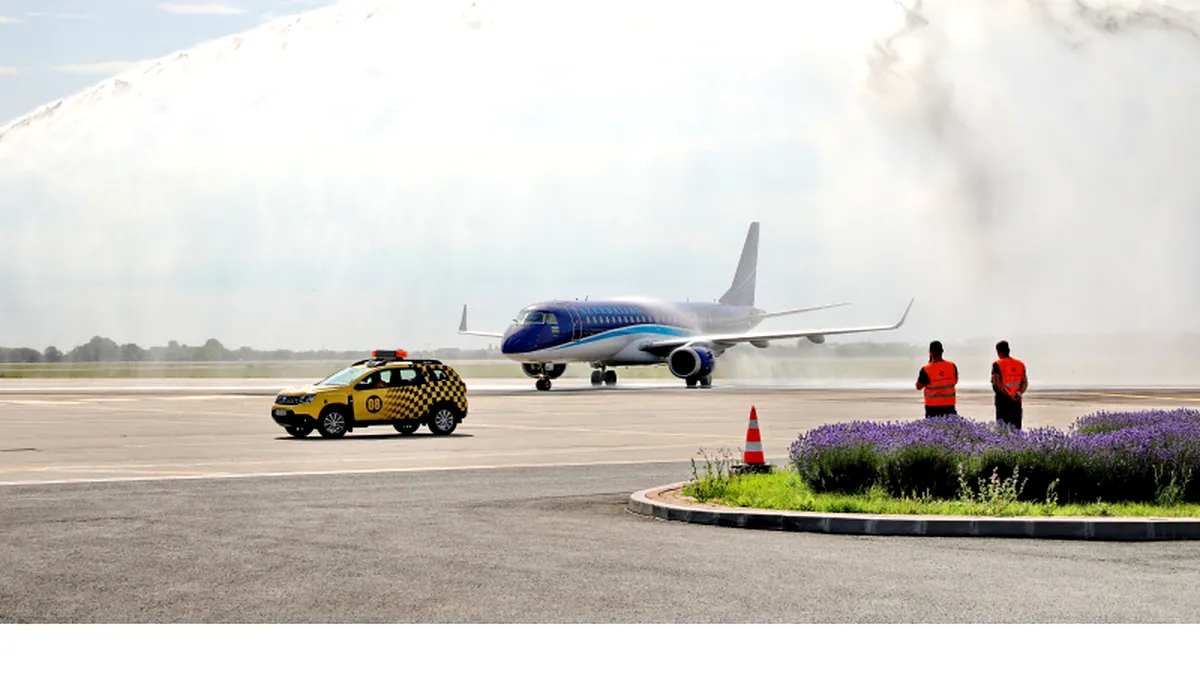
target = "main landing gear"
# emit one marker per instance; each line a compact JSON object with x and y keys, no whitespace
{"x":704,"y":382}
{"x":604,"y":376}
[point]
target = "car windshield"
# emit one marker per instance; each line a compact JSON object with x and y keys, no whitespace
{"x":342,"y":377}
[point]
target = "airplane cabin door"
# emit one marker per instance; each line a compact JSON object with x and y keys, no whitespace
{"x":576,"y":323}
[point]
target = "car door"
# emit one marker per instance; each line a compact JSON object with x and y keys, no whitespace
{"x":405,"y":400}
{"x":371,"y":395}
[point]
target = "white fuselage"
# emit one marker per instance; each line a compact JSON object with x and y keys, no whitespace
{"x":613,"y":332}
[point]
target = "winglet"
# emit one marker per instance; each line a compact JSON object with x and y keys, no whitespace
{"x":462,"y":324}
{"x":898,"y":324}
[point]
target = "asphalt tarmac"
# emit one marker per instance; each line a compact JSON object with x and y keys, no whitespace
{"x":136,"y":507}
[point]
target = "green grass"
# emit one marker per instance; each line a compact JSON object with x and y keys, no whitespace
{"x":784,"y":490}
{"x":225,"y":369}
{"x":733,"y":365}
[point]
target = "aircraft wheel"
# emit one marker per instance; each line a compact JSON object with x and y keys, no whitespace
{"x":597,"y":378}
{"x":691,"y":382}
{"x":706,"y":382}
{"x":610,"y":377}
{"x":543,"y":385}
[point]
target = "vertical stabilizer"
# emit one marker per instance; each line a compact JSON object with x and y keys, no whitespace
{"x":741,"y":291}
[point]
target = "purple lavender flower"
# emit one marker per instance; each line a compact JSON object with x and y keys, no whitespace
{"x":1109,"y":455}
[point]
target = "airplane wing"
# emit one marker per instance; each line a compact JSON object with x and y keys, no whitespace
{"x":768,"y":315}
{"x":462,"y":328}
{"x":730,"y":339}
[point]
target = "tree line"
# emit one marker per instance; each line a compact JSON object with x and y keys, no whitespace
{"x":105,"y":350}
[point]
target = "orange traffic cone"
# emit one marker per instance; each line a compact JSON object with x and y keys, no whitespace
{"x":752,"y":457}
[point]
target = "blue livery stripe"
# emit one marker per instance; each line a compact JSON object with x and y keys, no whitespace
{"x":647,"y":329}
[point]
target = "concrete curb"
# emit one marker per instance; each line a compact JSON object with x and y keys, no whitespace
{"x":653,"y":503}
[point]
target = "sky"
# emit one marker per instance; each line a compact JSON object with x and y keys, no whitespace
{"x":354,"y":177}
{"x":50,"y":49}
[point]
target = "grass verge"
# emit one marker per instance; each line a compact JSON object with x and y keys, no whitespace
{"x":785,"y":490}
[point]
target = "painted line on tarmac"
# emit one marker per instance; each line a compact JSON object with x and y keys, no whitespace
{"x":341,"y":459}
{"x":177,"y":415}
{"x":1139,"y":396}
{"x":336,"y":472}
{"x":588,"y":430}
{"x":40,"y":402}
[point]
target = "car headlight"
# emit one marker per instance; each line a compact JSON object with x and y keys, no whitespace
{"x":306,"y":398}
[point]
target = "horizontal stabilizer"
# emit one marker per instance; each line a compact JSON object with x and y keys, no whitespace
{"x":462,"y":327}
{"x":768,"y":315}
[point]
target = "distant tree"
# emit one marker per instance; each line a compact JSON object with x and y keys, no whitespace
{"x":52,"y":355}
{"x":97,"y":349}
{"x":132,"y":352}
{"x":213,"y":350}
{"x":20,"y":355}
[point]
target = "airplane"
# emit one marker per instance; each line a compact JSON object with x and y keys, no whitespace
{"x":687,"y":336}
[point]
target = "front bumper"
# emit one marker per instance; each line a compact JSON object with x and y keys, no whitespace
{"x":285,"y":417}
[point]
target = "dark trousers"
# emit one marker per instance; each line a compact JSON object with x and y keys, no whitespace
{"x":1008,"y":410}
{"x":939,"y":410}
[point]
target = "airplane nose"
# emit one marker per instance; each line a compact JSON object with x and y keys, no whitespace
{"x":509,"y":344}
{"x":515,"y":342}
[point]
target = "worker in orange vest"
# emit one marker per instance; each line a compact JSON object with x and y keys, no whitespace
{"x":1009,"y":381}
{"x":938,"y":378}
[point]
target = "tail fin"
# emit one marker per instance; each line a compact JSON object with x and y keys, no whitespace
{"x":741,"y":291}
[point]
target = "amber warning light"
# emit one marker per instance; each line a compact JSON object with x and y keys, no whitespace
{"x":389,"y":353}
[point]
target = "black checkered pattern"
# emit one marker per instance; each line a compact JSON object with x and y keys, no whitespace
{"x":412,"y":402}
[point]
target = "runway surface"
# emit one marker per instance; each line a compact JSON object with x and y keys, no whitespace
{"x":160,"y":507}
{"x":137,"y":434}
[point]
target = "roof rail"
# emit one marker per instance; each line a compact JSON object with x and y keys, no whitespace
{"x":374,"y":362}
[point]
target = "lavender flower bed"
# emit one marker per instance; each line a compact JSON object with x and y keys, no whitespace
{"x":1115,"y":457}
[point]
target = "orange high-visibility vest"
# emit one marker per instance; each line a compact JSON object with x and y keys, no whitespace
{"x":940,"y":390}
{"x":1012,"y":372}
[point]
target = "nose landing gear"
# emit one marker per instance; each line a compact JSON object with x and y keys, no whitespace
{"x":544,"y":373}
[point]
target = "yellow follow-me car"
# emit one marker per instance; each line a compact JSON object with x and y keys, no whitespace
{"x":388,"y":388}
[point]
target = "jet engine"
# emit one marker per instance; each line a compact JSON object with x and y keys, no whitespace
{"x":816,"y":339}
{"x":536,"y":370}
{"x":691,"y":362}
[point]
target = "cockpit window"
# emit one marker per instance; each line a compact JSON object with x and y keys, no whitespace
{"x":535,"y":317}
{"x":532,"y":318}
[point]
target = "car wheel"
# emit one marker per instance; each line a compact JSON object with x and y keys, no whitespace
{"x":442,"y":421}
{"x":332,"y":423}
{"x":406,"y":428}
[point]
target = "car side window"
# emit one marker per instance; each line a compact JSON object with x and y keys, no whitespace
{"x":437,"y":375}
{"x":375,"y":380}
{"x":405,"y":376}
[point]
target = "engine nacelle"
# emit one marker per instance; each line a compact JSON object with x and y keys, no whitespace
{"x":691,"y":362}
{"x":816,"y":339}
{"x":536,"y":370}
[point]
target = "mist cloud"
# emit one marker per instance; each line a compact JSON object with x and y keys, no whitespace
{"x":355,"y":175}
